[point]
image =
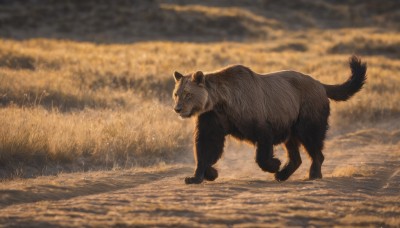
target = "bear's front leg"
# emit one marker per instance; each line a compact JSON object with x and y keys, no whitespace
{"x":209,"y":138}
{"x":210,"y":174}
{"x":265,"y":155}
{"x":198,"y":175}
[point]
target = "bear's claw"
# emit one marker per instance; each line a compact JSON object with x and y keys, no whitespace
{"x":193,"y":180}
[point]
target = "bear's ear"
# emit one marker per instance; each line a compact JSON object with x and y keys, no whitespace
{"x":177,"y":76}
{"x":198,"y":78}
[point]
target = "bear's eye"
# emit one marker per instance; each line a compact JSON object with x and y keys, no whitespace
{"x":175,"y":94}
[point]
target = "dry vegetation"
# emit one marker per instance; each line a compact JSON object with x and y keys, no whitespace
{"x":87,"y":85}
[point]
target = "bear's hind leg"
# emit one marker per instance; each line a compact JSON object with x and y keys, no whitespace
{"x":312,"y":138}
{"x":314,"y":149}
{"x":292,"y":148}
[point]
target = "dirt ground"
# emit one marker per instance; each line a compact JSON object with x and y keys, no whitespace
{"x":360,"y":187}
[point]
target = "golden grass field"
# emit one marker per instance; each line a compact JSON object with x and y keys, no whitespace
{"x":88,"y":135}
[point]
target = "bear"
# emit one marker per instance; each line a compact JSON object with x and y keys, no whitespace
{"x":286,"y":107}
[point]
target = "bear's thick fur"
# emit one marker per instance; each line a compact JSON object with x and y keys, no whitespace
{"x":281,"y":107}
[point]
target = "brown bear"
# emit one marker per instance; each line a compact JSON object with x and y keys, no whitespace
{"x":281,"y":107}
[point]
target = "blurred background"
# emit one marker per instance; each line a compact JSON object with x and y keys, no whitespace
{"x":124,"y":21}
{"x":85,"y":85}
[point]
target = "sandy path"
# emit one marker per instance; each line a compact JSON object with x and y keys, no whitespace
{"x":361,"y":187}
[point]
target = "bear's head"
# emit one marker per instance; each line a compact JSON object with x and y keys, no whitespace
{"x":190,"y":95}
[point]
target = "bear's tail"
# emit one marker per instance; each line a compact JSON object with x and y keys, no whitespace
{"x":343,"y":92}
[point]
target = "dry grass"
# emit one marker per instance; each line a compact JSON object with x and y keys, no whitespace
{"x":51,"y":141}
{"x":73,"y":105}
